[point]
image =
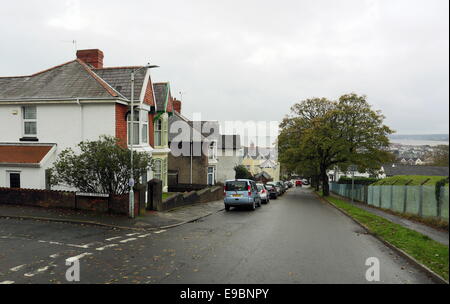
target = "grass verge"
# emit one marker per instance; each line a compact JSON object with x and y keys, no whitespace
{"x":425,"y":250}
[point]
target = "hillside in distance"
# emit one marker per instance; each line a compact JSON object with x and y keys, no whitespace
{"x":430,"y":137}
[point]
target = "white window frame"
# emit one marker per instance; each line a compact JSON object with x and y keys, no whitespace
{"x":25,"y":120}
{"x":144,"y":126}
{"x":159,"y":132}
{"x":213,"y":174}
{"x":155,"y":172}
{"x":137,"y":121}
{"x":212,"y":150}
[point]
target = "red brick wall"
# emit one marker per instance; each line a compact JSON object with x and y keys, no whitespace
{"x":148,"y":98}
{"x":92,"y":57}
{"x":121,"y":123}
{"x":176,"y":105}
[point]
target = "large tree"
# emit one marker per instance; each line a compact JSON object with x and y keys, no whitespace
{"x":320,"y":134}
{"x":101,"y":166}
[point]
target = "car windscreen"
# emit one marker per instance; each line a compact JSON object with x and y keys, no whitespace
{"x":236,"y":186}
{"x":260,"y":188}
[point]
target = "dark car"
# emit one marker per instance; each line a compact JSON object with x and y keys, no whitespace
{"x":272,"y":190}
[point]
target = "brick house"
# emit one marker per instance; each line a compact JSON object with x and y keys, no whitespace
{"x":187,"y":163}
{"x":59,"y":107}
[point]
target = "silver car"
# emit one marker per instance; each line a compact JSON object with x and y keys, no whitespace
{"x":263,"y":193}
{"x":241,"y":192}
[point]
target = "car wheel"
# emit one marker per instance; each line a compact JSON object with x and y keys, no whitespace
{"x":227,"y":208}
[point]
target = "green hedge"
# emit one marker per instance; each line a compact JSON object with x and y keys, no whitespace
{"x":358,"y":180}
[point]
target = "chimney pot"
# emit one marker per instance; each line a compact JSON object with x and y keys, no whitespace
{"x":177,"y":105}
{"x":93,"y":57}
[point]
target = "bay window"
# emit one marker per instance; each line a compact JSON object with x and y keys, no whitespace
{"x":157,"y":173}
{"x":158,"y":132}
{"x":140,"y":127}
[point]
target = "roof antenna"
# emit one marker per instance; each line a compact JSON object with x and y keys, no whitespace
{"x":74,"y":42}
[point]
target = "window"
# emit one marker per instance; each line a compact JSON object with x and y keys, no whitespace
{"x":135,"y":128}
{"x":144,"y":127}
{"x":158,"y":132}
{"x":211,"y":177}
{"x":212,"y":150}
{"x":29,"y":121}
{"x":157,"y":169}
{"x":14,"y":179}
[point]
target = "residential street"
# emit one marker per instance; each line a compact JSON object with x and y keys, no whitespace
{"x":295,"y":239}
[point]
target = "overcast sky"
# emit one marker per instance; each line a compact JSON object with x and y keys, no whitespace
{"x":252,"y":60}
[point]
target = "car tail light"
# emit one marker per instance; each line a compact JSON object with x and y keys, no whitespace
{"x":264,"y":191}
{"x":224,"y":190}
{"x":249,"y":190}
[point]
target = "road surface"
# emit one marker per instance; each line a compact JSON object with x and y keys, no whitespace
{"x":294,"y":239}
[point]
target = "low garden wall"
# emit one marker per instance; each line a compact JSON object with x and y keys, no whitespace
{"x":99,"y":203}
{"x":205,"y":195}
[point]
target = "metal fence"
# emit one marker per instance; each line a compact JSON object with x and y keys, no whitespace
{"x":418,"y":200}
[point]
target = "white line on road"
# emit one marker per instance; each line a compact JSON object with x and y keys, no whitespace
{"x":107,"y":246}
{"x":131,"y":234}
{"x":54,"y":256}
{"x":114,"y":238}
{"x":17,"y":268}
{"x":7,"y":282}
{"x":144,"y":235}
{"x":128,"y":240}
{"x":74,"y":258}
{"x":160,"y":231}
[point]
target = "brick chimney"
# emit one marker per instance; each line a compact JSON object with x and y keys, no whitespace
{"x":92,"y":57}
{"x":177,"y":105}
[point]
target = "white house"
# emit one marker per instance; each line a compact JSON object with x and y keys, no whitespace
{"x":44,"y":113}
{"x":230,"y":155}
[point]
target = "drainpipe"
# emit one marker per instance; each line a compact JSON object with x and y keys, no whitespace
{"x":191,"y":152}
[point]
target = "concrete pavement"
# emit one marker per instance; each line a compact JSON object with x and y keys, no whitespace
{"x":294,"y":239}
{"x":149,"y":220}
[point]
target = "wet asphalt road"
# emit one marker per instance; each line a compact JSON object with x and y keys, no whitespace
{"x":294,"y":239}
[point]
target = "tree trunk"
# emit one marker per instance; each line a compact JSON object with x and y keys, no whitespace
{"x":325,"y":185}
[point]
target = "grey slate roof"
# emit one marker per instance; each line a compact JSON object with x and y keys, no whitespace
{"x":414,"y":170}
{"x":207,"y":128}
{"x":182,"y":120}
{"x":120,"y":79}
{"x":67,"y":81}
{"x":161,"y":91}
{"x":229,"y":142}
{"x":263,"y":174}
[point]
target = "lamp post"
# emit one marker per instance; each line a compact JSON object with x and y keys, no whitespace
{"x":131,"y":181}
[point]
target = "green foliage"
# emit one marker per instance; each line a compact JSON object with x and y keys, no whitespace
{"x":357,"y":180}
{"x":411,"y":180}
{"x":102,"y":166}
{"x":320,"y":134}
{"x":439,"y":184}
{"x":242,"y":172}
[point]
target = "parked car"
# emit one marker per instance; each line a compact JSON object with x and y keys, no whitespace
{"x":281,"y":185}
{"x":263,"y":193}
{"x":298,"y":183}
{"x":277,"y":187}
{"x":272,"y":191}
{"x":305,"y":182}
{"x":241,"y":192}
